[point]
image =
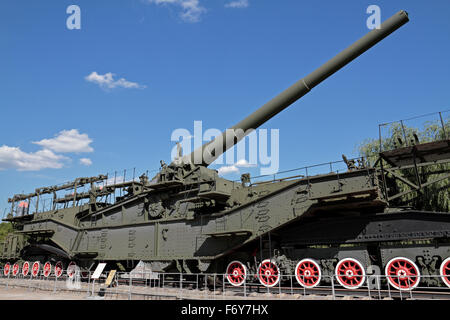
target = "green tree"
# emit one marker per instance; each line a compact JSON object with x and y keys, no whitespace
{"x":5,"y":228}
{"x":434,"y":197}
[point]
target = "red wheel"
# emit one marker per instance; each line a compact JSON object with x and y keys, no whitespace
{"x":58,"y":269}
{"x":6,"y":269}
{"x":15,"y":269}
{"x":350,"y":273}
{"x":268,"y":273}
{"x":236,"y":273}
{"x":445,"y":271}
{"x":47,"y":269}
{"x":402,"y":273}
{"x":35,"y":268}
{"x":25,"y":268}
{"x":307,"y":273}
{"x":71,"y":269}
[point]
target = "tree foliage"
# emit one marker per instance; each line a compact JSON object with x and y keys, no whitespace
{"x":5,"y":228}
{"x":434,"y":197}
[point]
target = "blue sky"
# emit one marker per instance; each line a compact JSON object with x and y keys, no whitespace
{"x":187,"y":60}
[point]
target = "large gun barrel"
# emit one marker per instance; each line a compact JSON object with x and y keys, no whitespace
{"x":210,"y":151}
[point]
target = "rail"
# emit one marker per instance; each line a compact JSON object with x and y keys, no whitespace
{"x":338,"y":166}
{"x":406,"y":132}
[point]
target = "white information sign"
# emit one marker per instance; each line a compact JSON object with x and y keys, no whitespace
{"x":98,"y":271}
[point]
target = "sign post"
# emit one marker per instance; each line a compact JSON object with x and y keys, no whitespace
{"x":96,"y":275}
{"x":111,"y":275}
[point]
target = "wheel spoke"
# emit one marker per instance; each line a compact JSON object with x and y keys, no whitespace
{"x":350,"y":273}
{"x":268,"y":273}
{"x":402,"y":273}
{"x":236,"y":273}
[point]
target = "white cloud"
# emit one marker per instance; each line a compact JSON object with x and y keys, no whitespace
{"x":237,"y":4}
{"x":68,"y":141}
{"x":235,"y":167}
{"x":86,"y":161}
{"x":14,"y":158}
{"x":107,"y":81}
{"x":244,"y":163}
{"x":227,"y":169}
{"x":191,"y":9}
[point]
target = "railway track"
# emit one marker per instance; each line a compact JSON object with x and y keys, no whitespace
{"x":323,"y":291}
{"x":225,"y":291}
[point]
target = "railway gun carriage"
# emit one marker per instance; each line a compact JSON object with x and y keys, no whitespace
{"x":189,"y":220}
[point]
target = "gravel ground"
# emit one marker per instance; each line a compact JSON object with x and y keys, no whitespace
{"x":22,"y":289}
{"x":37,"y":294}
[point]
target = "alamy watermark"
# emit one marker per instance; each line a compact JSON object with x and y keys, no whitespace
{"x":253,"y":148}
{"x":74,"y":20}
{"x":374,"y":20}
